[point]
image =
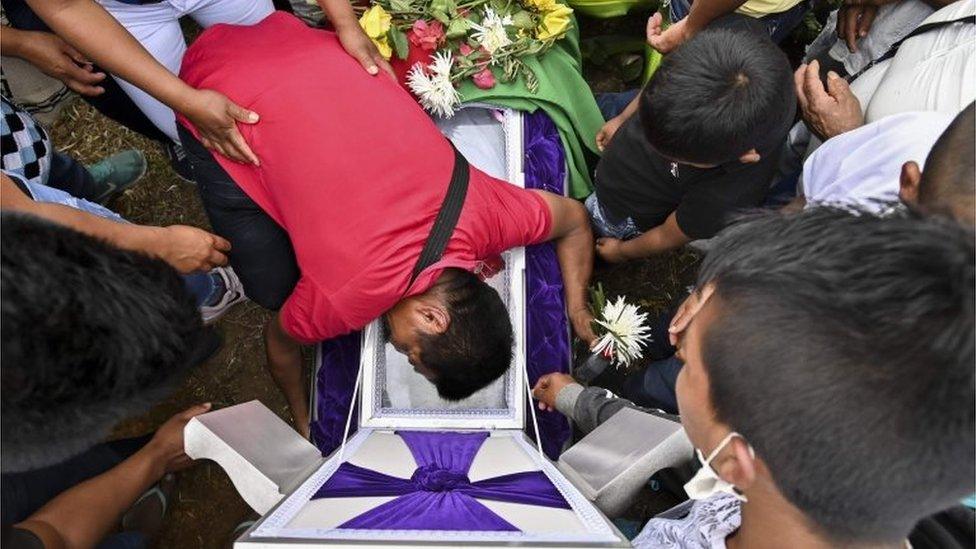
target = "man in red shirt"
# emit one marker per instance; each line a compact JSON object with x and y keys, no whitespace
{"x":329,"y":227}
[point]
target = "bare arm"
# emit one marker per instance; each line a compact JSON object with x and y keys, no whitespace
{"x":285,"y":363}
{"x":186,"y":248}
{"x":54,"y":58}
{"x":664,"y":237}
{"x":84,"y":514}
{"x":574,"y":248}
{"x":89,"y":28}
{"x":702,"y":13}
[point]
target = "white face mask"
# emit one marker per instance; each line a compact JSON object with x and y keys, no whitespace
{"x":706,"y":481}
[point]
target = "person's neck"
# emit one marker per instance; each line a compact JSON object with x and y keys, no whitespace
{"x":768,"y":521}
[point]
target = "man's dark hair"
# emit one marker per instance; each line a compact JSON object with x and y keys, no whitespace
{"x":718,"y":95}
{"x":948,"y":184}
{"x":476,"y":349}
{"x":842,"y":349}
{"x":90,"y":333}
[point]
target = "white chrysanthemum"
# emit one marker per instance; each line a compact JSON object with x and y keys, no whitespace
{"x":492,"y":34}
{"x":433,"y":86}
{"x":626,"y":333}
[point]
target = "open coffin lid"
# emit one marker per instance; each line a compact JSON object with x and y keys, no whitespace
{"x":400,"y":420}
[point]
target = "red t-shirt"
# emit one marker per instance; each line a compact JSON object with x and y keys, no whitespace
{"x":353,"y":169}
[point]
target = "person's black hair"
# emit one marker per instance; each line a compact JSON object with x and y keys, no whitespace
{"x":476,"y":348}
{"x":718,"y":95}
{"x":948,"y":184}
{"x":90,"y":334}
{"x":842,"y":349}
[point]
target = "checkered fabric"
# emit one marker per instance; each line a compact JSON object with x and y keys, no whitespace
{"x":24,"y":144}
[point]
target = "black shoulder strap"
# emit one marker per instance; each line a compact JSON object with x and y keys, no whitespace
{"x":921,"y":29}
{"x":447,"y":218}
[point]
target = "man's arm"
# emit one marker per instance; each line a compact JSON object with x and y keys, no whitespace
{"x":574,"y":247}
{"x":54,"y":58}
{"x":702,"y":13}
{"x":666,"y":236}
{"x":186,"y":248}
{"x":84,"y":514}
{"x":285,"y":364}
{"x":588,"y":407}
{"x":88,"y":27}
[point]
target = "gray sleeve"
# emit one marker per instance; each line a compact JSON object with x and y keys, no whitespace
{"x":590,"y":406}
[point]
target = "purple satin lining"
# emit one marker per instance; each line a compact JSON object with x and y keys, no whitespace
{"x":439,"y":495}
{"x":547,"y":331}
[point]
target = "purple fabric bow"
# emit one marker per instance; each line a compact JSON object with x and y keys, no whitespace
{"x":439,"y":495}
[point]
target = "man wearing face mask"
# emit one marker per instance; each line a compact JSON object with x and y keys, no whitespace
{"x":827,"y":383}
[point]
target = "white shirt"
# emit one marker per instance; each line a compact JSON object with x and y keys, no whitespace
{"x":695,"y":524}
{"x":862,"y":167}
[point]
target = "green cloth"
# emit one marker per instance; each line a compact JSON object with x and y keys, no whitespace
{"x":564,"y":96}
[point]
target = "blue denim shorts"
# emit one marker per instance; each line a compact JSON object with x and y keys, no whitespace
{"x":624,"y":230}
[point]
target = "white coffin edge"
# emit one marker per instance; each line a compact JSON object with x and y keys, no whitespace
{"x":271,"y":530}
{"x":262,"y":455}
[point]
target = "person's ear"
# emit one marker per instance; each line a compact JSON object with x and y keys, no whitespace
{"x":911,"y":178}
{"x":738,"y":465}
{"x":433,"y":317}
{"x":750,"y":157}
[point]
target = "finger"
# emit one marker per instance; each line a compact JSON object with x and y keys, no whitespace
{"x":75,"y":72}
{"x":241,"y":114}
{"x":601,"y":136}
{"x":365,"y":59}
{"x":653,"y":26}
{"x":83,"y":89}
{"x":812,"y":86}
{"x":221,"y":244}
{"x":384,"y":66}
{"x":867,"y":18}
{"x":217,"y":259}
{"x":837,"y":87}
{"x":195,"y":410}
{"x":798,"y":85}
{"x":75,"y":55}
{"x":242,"y":149}
{"x":850,"y":27}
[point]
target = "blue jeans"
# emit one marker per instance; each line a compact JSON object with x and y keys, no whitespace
{"x":654,"y":386}
{"x":202,"y":286}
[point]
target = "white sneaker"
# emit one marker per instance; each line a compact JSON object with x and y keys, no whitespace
{"x":233,"y":294}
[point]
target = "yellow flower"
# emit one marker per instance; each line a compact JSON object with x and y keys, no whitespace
{"x":555,"y":22}
{"x":541,"y":5}
{"x":376,"y":23}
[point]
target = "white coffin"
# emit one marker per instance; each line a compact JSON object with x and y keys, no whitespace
{"x":391,"y":397}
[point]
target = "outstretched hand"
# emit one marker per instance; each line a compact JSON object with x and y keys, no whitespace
{"x":666,"y":40}
{"x":547,"y":389}
{"x":167,"y":443}
{"x":189,"y":249}
{"x":55,"y":58}
{"x":829,"y":111}
{"x":360,"y":47}
{"x":215,"y":117}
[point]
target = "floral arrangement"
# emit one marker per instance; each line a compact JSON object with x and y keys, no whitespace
{"x":622,"y":331}
{"x":484,"y":40}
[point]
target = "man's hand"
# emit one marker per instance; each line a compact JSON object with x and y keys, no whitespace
{"x":668,"y":39}
{"x":854,"y":22}
{"x":189,"y":249}
{"x":357,"y":44}
{"x":548,"y":387}
{"x":611,"y":250}
{"x":582,"y":321}
{"x":827,"y":112}
{"x":58,"y":60}
{"x":609,"y":128}
{"x":215,"y":117}
{"x":167,"y":444}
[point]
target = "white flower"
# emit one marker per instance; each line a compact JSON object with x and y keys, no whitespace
{"x":433,"y":86}
{"x":626,"y":333}
{"x":491,"y":34}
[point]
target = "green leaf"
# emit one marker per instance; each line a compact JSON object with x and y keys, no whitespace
{"x":399,"y":42}
{"x":457,"y":28}
{"x":400,"y":5}
{"x":523,"y":20}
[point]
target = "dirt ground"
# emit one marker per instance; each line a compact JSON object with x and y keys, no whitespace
{"x":206,"y":507}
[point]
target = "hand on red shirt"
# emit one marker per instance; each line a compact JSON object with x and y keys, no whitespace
{"x":216,"y":117}
{"x":357,"y":44}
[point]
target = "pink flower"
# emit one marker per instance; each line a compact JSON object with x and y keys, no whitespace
{"x":426,"y":36}
{"x":465,"y":49}
{"x":484,"y":79}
